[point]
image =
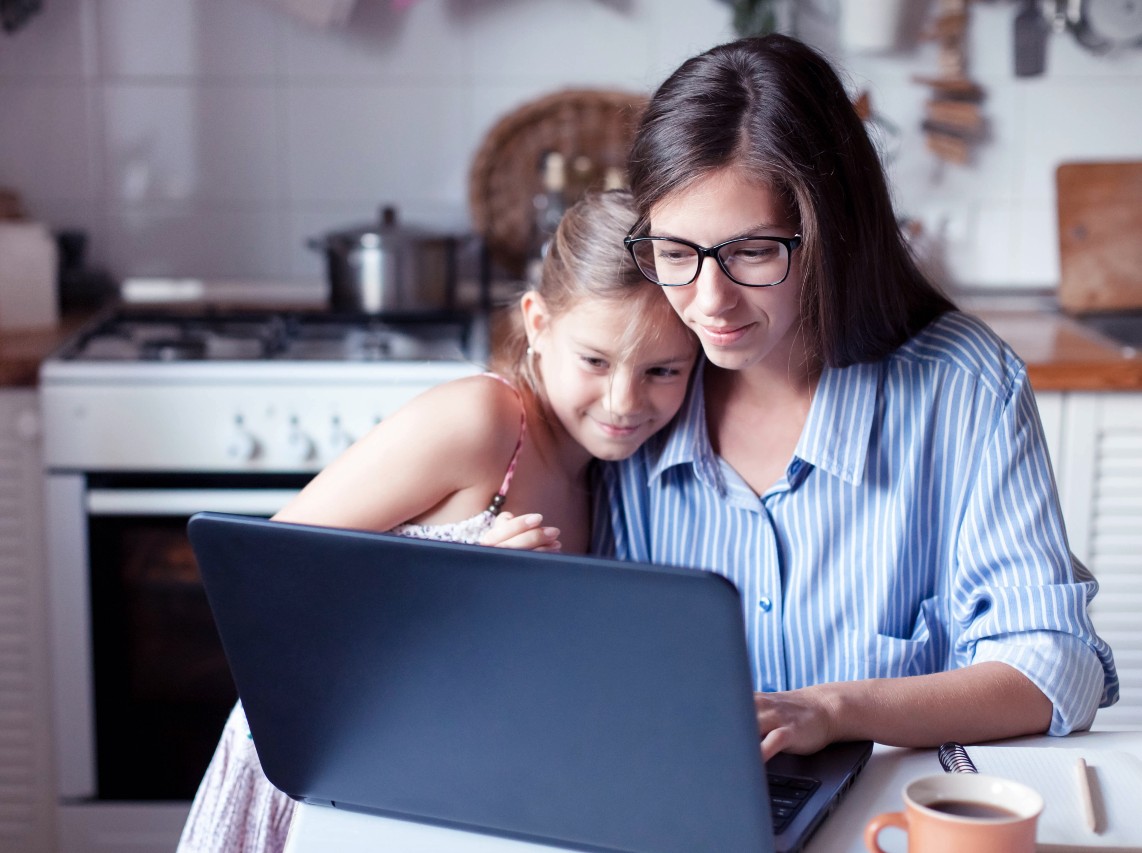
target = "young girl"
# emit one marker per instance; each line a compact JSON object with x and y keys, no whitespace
{"x":593,"y":365}
{"x":862,"y":460}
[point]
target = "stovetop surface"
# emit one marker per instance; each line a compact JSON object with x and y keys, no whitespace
{"x":205,"y":334}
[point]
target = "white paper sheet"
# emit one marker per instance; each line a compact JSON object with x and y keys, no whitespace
{"x":1117,"y":788}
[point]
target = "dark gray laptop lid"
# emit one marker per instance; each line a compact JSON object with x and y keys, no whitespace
{"x":582,"y":702}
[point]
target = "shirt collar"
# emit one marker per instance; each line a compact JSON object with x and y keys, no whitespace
{"x":835,"y":439}
{"x":839,"y":427}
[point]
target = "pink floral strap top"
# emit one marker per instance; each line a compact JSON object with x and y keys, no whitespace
{"x":471,"y":529}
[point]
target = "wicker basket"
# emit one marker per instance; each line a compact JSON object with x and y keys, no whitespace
{"x":592,"y":129}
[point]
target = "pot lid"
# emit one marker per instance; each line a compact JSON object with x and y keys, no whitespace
{"x":385,"y":230}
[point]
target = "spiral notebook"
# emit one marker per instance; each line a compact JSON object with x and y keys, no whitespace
{"x":1116,"y":782}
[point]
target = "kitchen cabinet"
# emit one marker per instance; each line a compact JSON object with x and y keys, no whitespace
{"x":26,"y":789}
{"x":1099,"y":470}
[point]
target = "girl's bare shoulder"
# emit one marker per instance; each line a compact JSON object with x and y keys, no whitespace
{"x":478,"y":413}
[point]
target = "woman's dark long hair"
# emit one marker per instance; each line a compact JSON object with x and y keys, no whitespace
{"x":775,"y":108}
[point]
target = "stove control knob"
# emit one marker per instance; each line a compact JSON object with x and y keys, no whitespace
{"x":339,"y":438}
{"x":242,"y":445}
{"x":299,"y":445}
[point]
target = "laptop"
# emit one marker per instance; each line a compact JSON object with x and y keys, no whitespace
{"x":579,"y":702}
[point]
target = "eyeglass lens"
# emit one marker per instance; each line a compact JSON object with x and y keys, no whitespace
{"x":753,"y":261}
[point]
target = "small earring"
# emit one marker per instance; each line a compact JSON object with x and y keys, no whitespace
{"x":530,"y":352}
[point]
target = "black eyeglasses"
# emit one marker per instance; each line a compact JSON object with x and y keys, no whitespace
{"x":748,"y":261}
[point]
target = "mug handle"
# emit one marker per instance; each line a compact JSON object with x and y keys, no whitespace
{"x":872,"y":830}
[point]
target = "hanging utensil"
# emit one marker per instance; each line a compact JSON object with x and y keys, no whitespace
{"x":1031,"y":30}
{"x":1105,"y":25}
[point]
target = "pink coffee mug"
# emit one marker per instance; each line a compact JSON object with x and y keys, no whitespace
{"x":956,"y":812}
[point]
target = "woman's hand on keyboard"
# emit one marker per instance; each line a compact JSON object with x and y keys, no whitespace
{"x":797,"y":721}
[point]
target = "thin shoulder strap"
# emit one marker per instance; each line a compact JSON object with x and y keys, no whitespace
{"x":502,"y":494}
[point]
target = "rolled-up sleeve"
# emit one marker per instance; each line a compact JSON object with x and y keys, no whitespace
{"x":1064,"y":667}
{"x":1020,"y":596}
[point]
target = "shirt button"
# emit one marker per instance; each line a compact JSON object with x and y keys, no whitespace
{"x":765,"y":604}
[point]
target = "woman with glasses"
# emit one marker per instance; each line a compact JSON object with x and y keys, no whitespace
{"x":863,"y":461}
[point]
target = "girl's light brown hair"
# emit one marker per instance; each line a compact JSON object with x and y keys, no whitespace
{"x":587,"y":261}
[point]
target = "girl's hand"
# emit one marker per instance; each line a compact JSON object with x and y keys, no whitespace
{"x":525,"y":533}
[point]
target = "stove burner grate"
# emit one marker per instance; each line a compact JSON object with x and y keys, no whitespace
{"x":228,"y":336}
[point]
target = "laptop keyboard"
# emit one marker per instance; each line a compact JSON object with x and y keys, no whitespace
{"x":787,"y":794}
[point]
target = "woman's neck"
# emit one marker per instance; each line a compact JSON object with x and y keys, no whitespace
{"x":755,"y":417}
{"x":784,"y":376}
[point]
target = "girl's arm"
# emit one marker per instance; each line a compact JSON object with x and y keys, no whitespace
{"x":440,"y":458}
{"x":984,"y":701}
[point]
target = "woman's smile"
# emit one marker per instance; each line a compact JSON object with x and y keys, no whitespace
{"x":724,"y":335}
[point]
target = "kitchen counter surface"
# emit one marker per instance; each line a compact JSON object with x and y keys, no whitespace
{"x":22,"y":351}
{"x":1061,"y":353}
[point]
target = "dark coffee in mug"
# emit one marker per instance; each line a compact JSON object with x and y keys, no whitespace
{"x":968,"y":808}
{"x":964,"y":813}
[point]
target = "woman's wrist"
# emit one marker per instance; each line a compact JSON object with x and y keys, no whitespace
{"x":840,"y":707}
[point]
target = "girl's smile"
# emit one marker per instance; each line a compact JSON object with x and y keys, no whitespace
{"x":610,"y":396}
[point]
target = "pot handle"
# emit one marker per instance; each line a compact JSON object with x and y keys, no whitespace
{"x":318,"y":244}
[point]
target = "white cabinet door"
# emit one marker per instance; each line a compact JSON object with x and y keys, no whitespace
{"x":1101,"y":485}
{"x":1051,"y":414}
{"x":26,"y":789}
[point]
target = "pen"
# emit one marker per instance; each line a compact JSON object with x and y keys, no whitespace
{"x":1086,"y":794}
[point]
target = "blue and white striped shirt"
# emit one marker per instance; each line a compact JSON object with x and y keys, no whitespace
{"x":917,"y":527}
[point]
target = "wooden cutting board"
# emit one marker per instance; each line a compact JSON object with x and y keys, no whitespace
{"x":1100,"y":235}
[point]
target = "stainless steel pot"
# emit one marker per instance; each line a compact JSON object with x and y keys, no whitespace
{"x":388,"y":267}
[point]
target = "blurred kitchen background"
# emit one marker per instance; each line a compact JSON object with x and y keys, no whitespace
{"x":212,"y":138}
{"x":163,"y":141}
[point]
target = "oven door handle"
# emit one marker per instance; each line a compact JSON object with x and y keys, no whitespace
{"x":186,"y":502}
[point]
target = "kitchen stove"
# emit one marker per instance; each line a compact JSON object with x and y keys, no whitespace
{"x":225,"y":390}
{"x":151,"y":414}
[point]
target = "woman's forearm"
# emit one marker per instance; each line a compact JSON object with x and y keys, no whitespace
{"x":982,"y":702}
{"x":986,"y":701}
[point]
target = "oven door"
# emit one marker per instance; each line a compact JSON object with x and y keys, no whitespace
{"x":141,"y":685}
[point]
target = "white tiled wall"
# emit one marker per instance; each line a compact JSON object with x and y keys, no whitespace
{"x":213,"y":137}
{"x":998,"y":217}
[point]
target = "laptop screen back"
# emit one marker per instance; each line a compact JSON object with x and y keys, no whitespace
{"x":592,"y":703}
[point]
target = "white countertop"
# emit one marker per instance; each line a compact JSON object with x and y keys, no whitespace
{"x":317,"y":828}
{"x":167,"y":291}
